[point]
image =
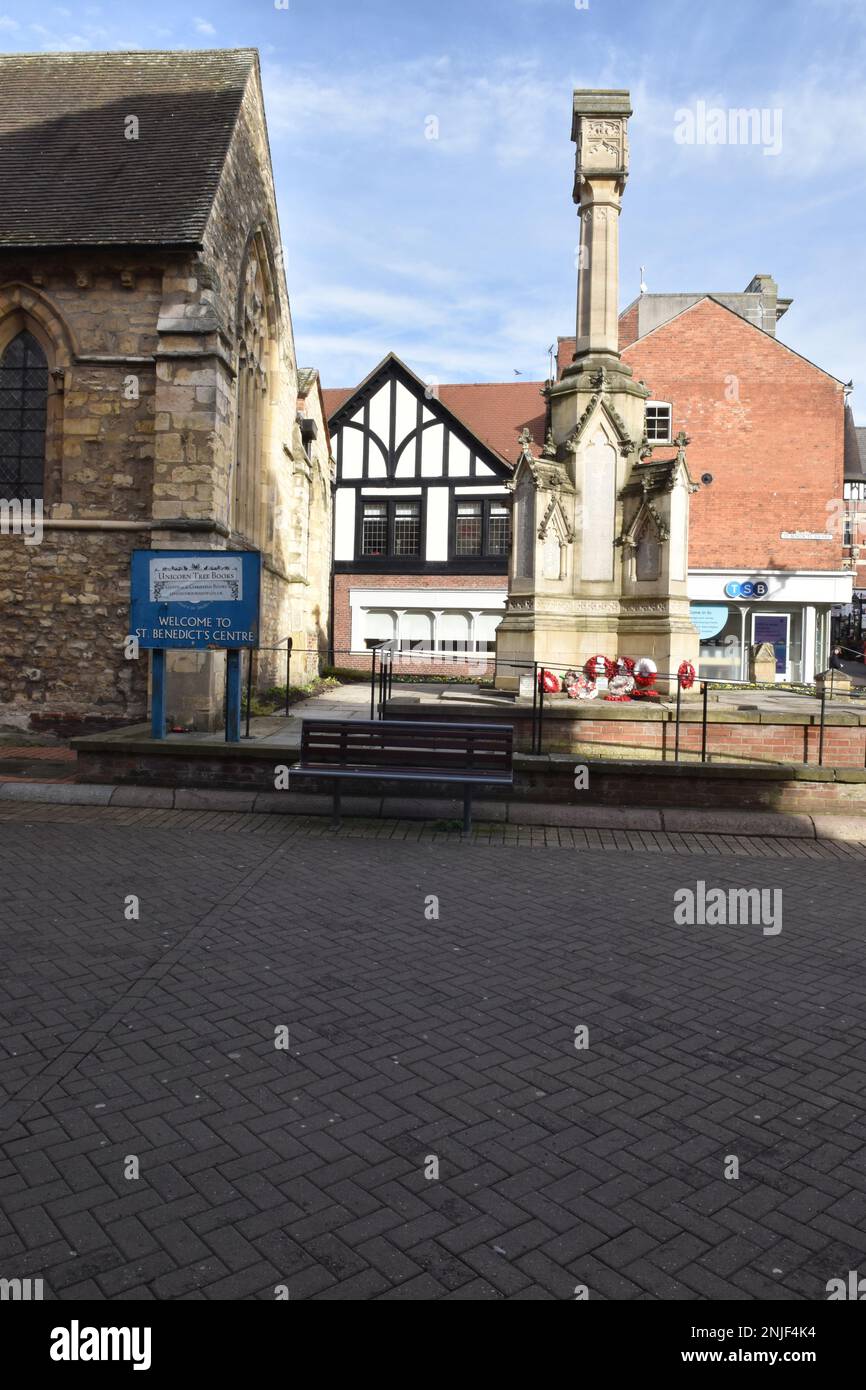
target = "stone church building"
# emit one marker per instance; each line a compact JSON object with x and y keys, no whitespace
{"x":149,"y":392}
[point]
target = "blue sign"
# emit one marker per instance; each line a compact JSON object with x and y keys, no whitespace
{"x":709,"y":618}
{"x":186,"y":600}
{"x":748,"y":589}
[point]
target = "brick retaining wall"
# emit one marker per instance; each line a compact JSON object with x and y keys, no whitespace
{"x":548,"y":779}
{"x":739,"y":736}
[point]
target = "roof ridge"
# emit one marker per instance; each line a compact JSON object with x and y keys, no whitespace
{"x":126,"y":53}
{"x":720,"y":303}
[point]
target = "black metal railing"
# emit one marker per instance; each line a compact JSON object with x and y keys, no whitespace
{"x":284,"y":642}
{"x":821,"y":692}
{"x":386,"y":659}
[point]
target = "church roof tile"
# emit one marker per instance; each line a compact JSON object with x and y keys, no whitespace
{"x":68,"y":174}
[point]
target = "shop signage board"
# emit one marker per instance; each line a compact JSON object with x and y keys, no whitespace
{"x":746,"y":588}
{"x":183,"y":599}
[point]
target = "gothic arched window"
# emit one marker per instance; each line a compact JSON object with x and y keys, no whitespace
{"x":256,"y":333}
{"x":23,"y":412}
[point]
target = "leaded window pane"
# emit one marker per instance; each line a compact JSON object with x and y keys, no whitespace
{"x":467,"y":533}
{"x":23,"y":412}
{"x":499,"y":530}
{"x":407,"y":528}
{"x":374,"y":529}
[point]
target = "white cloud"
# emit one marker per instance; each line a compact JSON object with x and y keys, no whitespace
{"x":821,"y":122}
{"x":385,"y":307}
{"x":457,"y":253}
{"x":203,"y":26}
{"x":7,"y":23}
{"x":444,"y":332}
{"x":507,"y":109}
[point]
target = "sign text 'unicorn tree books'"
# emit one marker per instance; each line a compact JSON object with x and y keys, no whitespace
{"x":195,"y":598}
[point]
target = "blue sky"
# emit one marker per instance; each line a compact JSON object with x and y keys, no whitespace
{"x":458,"y":252}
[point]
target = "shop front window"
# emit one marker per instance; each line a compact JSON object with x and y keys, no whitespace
{"x":784,"y":631}
{"x":720,"y":652}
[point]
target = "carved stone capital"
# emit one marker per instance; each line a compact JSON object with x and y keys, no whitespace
{"x":599,"y":130}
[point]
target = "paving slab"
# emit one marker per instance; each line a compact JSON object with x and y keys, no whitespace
{"x":592,"y":817}
{"x":829,"y":827}
{"x":704,"y":822}
{"x":150,"y":797}
{"x":416,"y":1033}
{"x":60,"y":793}
{"x":212,"y":799}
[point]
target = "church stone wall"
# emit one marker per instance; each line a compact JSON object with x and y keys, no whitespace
{"x":64,"y":602}
{"x":152,"y":466}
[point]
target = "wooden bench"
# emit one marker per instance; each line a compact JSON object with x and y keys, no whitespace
{"x":406,"y":750}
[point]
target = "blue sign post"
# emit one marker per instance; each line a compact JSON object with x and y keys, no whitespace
{"x":201,"y":600}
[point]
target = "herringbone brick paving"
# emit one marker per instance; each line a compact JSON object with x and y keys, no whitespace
{"x":412,"y":1038}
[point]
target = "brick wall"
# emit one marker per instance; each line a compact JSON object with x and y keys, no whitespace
{"x":766,"y":423}
{"x":628,"y":325}
{"x":731,"y":736}
{"x":761,"y":743}
{"x":549,"y":780}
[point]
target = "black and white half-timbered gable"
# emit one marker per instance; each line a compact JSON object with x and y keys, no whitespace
{"x":422,"y":520}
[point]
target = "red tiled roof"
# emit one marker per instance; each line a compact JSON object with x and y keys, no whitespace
{"x":495,"y":411}
{"x":333,"y":396}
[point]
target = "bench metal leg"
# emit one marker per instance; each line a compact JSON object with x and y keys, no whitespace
{"x":467,"y":809}
{"x":337,"y":803}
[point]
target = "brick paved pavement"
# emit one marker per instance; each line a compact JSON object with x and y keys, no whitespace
{"x":412,"y":1038}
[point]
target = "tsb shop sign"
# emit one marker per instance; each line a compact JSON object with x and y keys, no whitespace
{"x":758,"y":589}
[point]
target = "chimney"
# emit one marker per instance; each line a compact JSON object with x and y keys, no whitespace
{"x":771,"y":307}
{"x":598,"y":128}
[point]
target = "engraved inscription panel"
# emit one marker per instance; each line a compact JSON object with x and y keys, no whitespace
{"x":599,"y":509}
{"x":524,"y":536}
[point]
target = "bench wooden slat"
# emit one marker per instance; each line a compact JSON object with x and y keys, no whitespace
{"x":396,"y":740}
{"x":406,"y":733}
{"x":409,"y":774}
{"x":414,"y":756}
{"x":407,"y":750}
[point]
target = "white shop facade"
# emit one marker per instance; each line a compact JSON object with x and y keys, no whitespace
{"x":422,"y":524}
{"x":733,"y":609}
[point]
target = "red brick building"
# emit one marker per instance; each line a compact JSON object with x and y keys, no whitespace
{"x":767,"y":560}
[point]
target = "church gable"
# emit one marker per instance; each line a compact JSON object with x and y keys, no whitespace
{"x":393,"y":429}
